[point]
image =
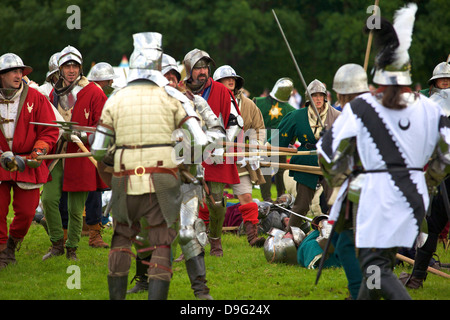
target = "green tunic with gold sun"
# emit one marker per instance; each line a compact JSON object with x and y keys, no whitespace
{"x":272,"y":111}
{"x":295,"y":126}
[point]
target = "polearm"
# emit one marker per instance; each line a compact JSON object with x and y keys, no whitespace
{"x":269,"y":153}
{"x":430,"y":269}
{"x":298,"y":70}
{"x":294,"y":167}
{"x":256,"y":146}
{"x":369,"y":42}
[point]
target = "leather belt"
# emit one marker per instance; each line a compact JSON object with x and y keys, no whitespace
{"x":140,"y":171}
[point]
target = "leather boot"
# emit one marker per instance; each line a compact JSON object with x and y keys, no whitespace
{"x":196,"y":270}
{"x":57,"y":249}
{"x":95,"y":237}
{"x":252,"y":235}
{"x":158,"y":289}
{"x":71,"y":254}
{"x":117,"y":287}
{"x":141,"y":276}
{"x":216,"y":247}
{"x":8,"y":255}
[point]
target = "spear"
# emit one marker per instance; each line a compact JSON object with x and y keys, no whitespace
{"x":256,"y":146}
{"x":298,"y":70}
{"x":268,"y":154}
{"x":294,"y":167}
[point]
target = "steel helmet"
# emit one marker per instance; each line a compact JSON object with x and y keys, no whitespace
{"x":350,"y":78}
{"x":442,"y":70}
{"x":228,"y":72}
{"x":70,"y":53}
{"x":192,"y":58}
{"x":102,"y":71}
{"x":52,"y":65}
{"x":10,"y":61}
{"x":282,"y":89}
{"x":168,"y":64}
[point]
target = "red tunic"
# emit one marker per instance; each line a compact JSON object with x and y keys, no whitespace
{"x":35,"y":108}
{"x":80,"y":174}
{"x":219,"y":101}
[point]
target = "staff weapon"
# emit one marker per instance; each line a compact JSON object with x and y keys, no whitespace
{"x":430,"y":269}
{"x":294,"y":167}
{"x":71,"y":127}
{"x":298,"y":70}
{"x":256,"y":146}
{"x":369,"y":43}
{"x":268,"y":154}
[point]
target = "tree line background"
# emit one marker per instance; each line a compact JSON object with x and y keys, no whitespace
{"x":323,"y":34}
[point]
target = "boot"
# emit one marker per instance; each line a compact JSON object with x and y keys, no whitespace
{"x":8,"y":255}
{"x":216,"y":247}
{"x":117,"y":287}
{"x":57,"y":249}
{"x":141,"y":276}
{"x":95,"y":237}
{"x":409,"y":281}
{"x":252,"y":235}
{"x":196,"y":270}
{"x":158,"y":289}
{"x":71,"y":254}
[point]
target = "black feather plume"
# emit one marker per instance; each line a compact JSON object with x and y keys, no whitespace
{"x":385,"y":41}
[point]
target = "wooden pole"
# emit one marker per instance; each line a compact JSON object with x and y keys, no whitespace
{"x":83,"y":148}
{"x":369,"y":43}
{"x":64,"y":156}
{"x":256,"y":146}
{"x":430,"y":269}
{"x":268,"y":154}
{"x":294,"y":167}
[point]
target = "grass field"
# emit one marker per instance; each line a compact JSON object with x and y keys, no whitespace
{"x":241,"y":274}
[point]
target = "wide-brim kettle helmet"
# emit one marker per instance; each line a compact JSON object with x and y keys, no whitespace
{"x":282,"y":89}
{"x":442,"y":70}
{"x":392,"y":63}
{"x":11,"y":61}
{"x":193,"y":57}
{"x":169,"y":64}
{"x":102,"y":71}
{"x":52,"y":65}
{"x":350,"y":78}
{"x":227,"y":71}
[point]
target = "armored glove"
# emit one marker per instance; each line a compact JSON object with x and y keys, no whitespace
{"x":10,"y":162}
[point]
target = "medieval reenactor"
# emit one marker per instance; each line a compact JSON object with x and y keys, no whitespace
{"x":21,"y":141}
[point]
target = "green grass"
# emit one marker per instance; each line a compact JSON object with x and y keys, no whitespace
{"x":241,"y":274}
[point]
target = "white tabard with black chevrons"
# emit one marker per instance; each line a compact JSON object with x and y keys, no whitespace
{"x":392,"y":203}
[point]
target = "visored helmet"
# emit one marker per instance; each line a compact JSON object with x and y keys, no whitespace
{"x":282,"y":89}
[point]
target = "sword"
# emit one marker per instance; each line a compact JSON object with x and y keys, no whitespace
{"x":298,"y":70}
{"x":294,"y":213}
